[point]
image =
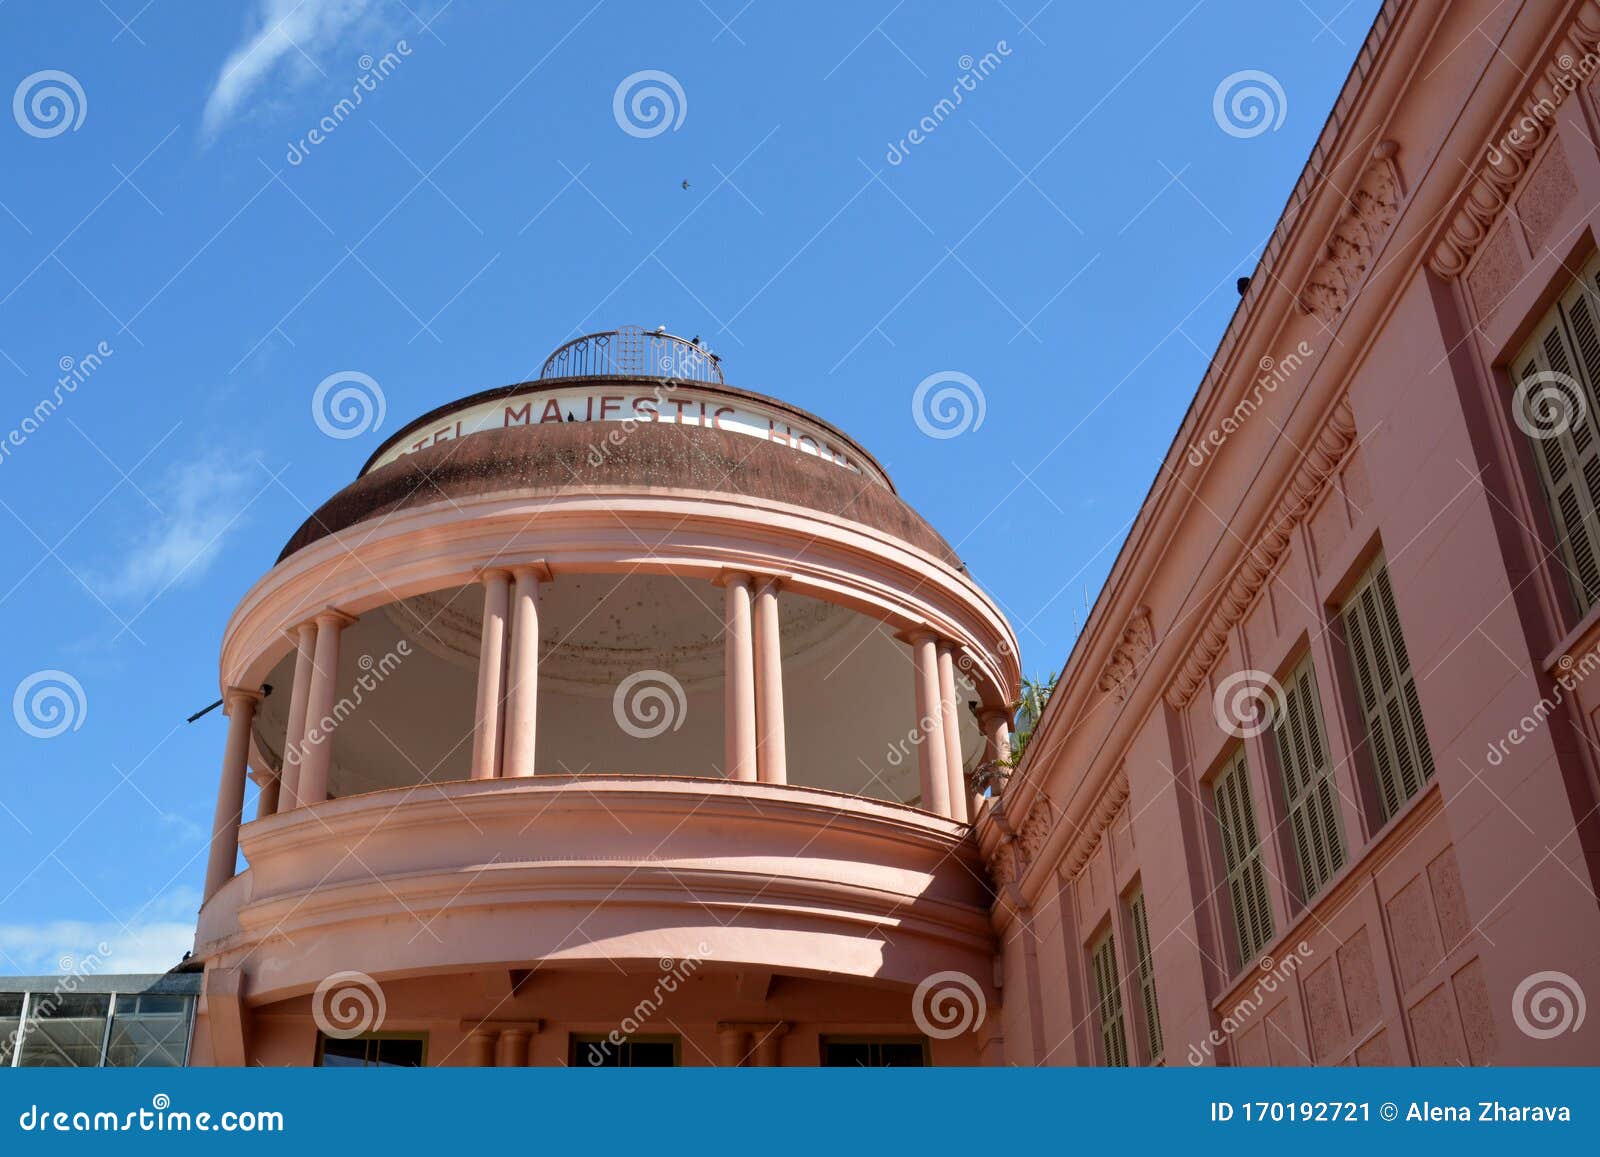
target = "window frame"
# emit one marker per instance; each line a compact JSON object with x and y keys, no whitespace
{"x":1237,"y":865}
{"x":1532,"y":355}
{"x":1373,"y":697}
{"x":398,"y":1034}
{"x":576,"y":1040}
{"x":833,"y":1038}
{"x":1319,"y":790}
{"x":1108,"y":990}
{"x":1147,"y":1009}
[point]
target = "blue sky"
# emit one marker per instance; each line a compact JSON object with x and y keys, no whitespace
{"x":1068,"y":237}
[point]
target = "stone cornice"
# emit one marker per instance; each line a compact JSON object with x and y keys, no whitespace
{"x":1014,"y":856}
{"x":1572,"y":62}
{"x":1333,"y":442}
{"x":1138,"y":640}
{"x":1374,"y":206}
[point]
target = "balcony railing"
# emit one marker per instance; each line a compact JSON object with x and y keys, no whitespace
{"x":634,"y":352}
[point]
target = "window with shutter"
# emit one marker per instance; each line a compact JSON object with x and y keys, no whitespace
{"x":1557,"y":376}
{"x":1309,"y":787}
{"x":1241,"y":857}
{"x":1397,"y":741}
{"x":1103,"y":962}
{"x":1147,"y":976}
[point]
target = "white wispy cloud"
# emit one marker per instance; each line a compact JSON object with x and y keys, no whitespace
{"x":289,"y":42}
{"x":200,"y":502}
{"x":154,"y":942}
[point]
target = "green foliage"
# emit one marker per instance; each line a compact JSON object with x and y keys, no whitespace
{"x":1030,"y":709}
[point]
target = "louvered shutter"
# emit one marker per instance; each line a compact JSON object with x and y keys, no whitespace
{"x":1401,"y":757}
{"x":1568,"y":344}
{"x":1103,"y":961}
{"x":1147,"y":976}
{"x":1241,"y":856}
{"x":1309,"y":788}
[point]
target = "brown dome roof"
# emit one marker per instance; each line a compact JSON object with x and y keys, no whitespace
{"x":566,"y":458}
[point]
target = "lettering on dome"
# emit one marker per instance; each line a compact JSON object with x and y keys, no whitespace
{"x":660,"y":405}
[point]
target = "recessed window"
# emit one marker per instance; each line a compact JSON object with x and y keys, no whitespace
{"x":1397,"y":742}
{"x":1108,"y":1001}
{"x":1241,"y":858}
{"x":1150,"y":1011}
{"x":839,"y":1052}
{"x":1311,"y":792}
{"x":1555,"y":405}
{"x":599,"y":1052}
{"x":372,"y":1052}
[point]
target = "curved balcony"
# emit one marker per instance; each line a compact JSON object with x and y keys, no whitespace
{"x":571,"y":871}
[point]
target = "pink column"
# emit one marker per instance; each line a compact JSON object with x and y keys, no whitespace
{"x":769,"y":1045}
{"x":739,"y":679}
{"x":930,"y":725}
{"x":949,"y":712}
{"x":771,"y":745}
{"x":512,"y":1050}
{"x":996,"y":724}
{"x":491,"y":666}
{"x":735,"y":1043}
{"x":316,"y":752}
{"x":482,"y":1044}
{"x":522,"y":690}
{"x":294,"y":735}
{"x":267,"y":801}
{"x":240,"y":705}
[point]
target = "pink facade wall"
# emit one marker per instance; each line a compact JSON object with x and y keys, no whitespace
{"x":1393,"y":435}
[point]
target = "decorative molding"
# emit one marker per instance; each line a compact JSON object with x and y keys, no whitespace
{"x":1333,"y":442}
{"x":1104,"y":809}
{"x":1373,"y":208}
{"x":1138,"y":640}
{"x":1507,"y":158}
{"x":1035,"y":829}
{"x":1003,"y":865}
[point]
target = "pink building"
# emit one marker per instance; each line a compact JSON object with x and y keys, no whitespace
{"x":580,"y":693}
{"x":1319,"y":782}
{"x":563,"y":758}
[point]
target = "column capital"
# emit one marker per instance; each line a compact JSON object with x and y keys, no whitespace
{"x":538,"y":568}
{"x":988,"y":715}
{"x":493,"y":571}
{"x":918,"y":634}
{"x":233,"y":696}
{"x":730,"y":575}
{"x":333,"y":617}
